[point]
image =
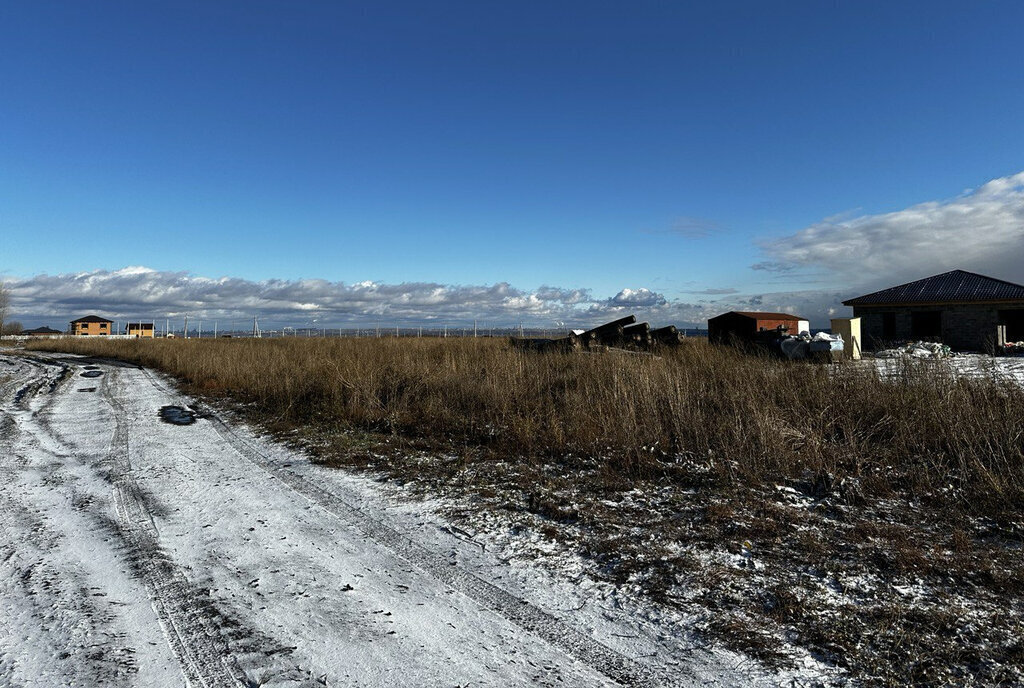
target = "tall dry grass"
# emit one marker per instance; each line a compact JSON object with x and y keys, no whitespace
{"x":922,"y":432}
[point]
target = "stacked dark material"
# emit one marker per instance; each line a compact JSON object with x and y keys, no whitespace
{"x":624,"y":333}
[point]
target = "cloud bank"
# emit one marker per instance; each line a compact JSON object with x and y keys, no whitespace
{"x":981,"y":230}
{"x":144,"y":293}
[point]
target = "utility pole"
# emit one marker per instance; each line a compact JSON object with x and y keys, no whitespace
{"x":214,"y":329}
{"x":474,"y":328}
{"x":184,"y":333}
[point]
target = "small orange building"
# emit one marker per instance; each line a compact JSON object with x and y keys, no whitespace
{"x":91,"y":325}
{"x":140,"y":329}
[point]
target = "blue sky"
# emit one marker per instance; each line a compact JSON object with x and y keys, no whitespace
{"x":609,"y":147}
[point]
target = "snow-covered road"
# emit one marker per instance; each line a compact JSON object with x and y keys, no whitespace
{"x":137,"y":552}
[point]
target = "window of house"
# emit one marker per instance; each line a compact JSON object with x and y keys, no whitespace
{"x":926,"y":325}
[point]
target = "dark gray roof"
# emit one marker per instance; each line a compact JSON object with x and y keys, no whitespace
{"x":91,"y":318}
{"x":955,"y":285}
{"x":759,"y":315}
{"x":42,"y":330}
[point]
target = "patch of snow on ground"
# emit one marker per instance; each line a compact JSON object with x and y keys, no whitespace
{"x":1004,"y":369}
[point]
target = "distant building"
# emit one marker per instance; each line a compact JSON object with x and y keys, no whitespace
{"x":139,"y":329}
{"x":42,"y":332}
{"x":91,"y":325}
{"x":746,"y":325}
{"x":959,"y":308}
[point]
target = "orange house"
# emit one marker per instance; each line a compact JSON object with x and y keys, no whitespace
{"x":140,"y":329}
{"x":91,"y":325}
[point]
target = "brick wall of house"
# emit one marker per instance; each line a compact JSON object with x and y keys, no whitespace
{"x":964,"y":327}
{"x":90,"y":328}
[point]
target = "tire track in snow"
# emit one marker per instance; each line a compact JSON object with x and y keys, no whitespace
{"x":19,"y":411}
{"x":188,"y":626}
{"x":69,"y":621}
{"x":586,"y":649}
{"x":49,"y":602}
{"x":45,"y":376}
{"x":30,"y":387}
{"x":555,"y":632}
{"x":210,"y":647}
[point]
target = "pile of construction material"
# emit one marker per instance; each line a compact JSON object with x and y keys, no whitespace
{"x":623,"y":334}
{"x":822,"y":347}
{"x":917,"y":350}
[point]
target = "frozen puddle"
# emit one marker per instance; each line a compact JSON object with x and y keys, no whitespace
{"x":176,"y":415}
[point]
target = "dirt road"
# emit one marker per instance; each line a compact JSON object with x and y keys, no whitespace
{"x":141,"y":552}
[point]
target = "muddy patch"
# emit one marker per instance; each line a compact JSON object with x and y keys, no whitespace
{"x":92,"y":373}
{"x":177,"y":415}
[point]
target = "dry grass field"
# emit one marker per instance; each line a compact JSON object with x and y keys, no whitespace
{"x":794,"y":510}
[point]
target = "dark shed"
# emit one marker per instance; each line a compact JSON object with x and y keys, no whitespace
{"x":746,"y":324}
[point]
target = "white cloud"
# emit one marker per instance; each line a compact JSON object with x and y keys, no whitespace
{"x":636,"y":298}
{"x":981,"y":230}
